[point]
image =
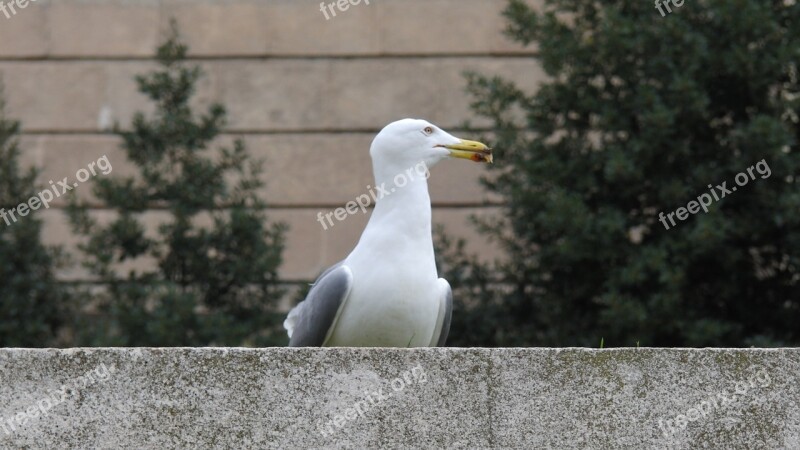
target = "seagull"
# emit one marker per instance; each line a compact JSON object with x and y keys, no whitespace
{"x":387,"y":292}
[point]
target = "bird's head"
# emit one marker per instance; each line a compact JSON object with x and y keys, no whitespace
{"x":407,"y":142}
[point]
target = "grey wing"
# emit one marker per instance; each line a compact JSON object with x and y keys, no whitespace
{"x":447,"y":303}
{"x":308,"y":323}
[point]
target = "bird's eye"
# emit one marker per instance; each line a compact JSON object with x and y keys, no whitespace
{"x":428,"y":130}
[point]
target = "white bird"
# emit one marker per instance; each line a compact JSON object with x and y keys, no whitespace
{"x":387,"y":292}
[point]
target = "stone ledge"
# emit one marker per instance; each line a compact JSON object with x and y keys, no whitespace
{"x":397,"y":398}
{"x":256,"y":28}
{"x":310,"y":249}
{"x":263,"y":96}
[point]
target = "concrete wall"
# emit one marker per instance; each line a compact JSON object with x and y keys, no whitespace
{"x":397,"y":398}
{"x":305,"y":92}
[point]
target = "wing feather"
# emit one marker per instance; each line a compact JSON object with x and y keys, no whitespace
{"x":309,"y":323}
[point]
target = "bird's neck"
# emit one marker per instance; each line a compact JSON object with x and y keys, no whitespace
{"x":400,"y":226}
{"x":402,"y":212}
{"x":406,"y":204}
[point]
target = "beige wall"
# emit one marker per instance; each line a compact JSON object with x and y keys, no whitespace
{"x":306,"y":93}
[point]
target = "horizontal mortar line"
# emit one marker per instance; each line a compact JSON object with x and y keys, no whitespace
{"x":280,"y":282}
{"x":244,"y":132}
{"x":439,"y":205}
{"x":96,"y":282}
{"x":271,"y":57}
{"x":311,"y":206}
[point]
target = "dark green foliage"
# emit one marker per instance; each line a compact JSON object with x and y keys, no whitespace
{"x":640,"y":114}
{"x":34,"y":308}
{"x":212,"y":276}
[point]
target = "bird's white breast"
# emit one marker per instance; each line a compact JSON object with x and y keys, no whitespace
{"x":392,"y":304}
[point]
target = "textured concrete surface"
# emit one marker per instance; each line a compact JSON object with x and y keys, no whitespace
{"x":398,"y":398}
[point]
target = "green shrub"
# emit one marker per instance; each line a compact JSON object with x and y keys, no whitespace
{"x":34,"y":307}
{"x":639,"y":115}
{"x":212,"y":265}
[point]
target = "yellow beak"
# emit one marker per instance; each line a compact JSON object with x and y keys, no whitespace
{"x":474,"y":150}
